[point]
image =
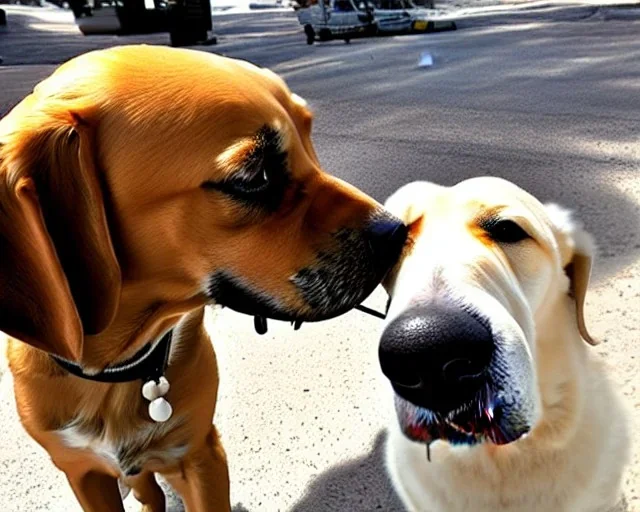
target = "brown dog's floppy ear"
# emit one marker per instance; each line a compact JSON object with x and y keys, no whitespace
{"x":59,"y":276}
{"x":577,"y":251}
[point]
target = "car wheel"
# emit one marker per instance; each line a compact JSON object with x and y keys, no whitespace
{"x":311,"y":34}
{"x":325,"y":34}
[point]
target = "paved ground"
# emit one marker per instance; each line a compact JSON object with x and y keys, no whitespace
{"x":550,"y":100}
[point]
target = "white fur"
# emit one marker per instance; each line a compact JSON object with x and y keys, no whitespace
{"x":573,"y":459}
{"x":563,"y":220}
{"x":107,"y":448}
{"x":298,"y":100}
{"x":73,"y":437}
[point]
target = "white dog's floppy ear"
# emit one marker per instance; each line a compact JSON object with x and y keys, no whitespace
{"x":408,"y":202}
{"x":577,"y":250}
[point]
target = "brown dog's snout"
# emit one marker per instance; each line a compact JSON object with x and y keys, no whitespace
{"x":386,"y":236}
{"x":338,"y":206}
{"x":356,"y":242}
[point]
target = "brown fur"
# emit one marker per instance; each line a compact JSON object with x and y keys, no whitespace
{"x":108,"y":240}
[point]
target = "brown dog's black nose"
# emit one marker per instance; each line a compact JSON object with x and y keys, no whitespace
{"x":386,"y":236}
{"x":436,"y":356}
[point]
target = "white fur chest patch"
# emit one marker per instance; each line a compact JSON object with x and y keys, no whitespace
{"x":127,"y":454}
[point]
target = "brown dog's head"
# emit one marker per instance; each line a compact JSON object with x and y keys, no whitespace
{"x":163,"y":178}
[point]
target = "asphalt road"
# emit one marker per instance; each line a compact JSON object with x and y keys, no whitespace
{"x":549,"y":100}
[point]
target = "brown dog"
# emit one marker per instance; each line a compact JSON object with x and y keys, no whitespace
{"x":139,"y":184}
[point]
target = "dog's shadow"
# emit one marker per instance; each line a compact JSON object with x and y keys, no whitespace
{"x":360,"y":485}
{"x":623,"y":506}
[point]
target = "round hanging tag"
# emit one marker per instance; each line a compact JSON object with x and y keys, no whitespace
{"x":160,"y":410}
{"x":151,"y":391}
{"x":163,"y":386}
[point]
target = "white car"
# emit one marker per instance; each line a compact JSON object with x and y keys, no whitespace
{"x":343,"y":19}
{"x":336,"y":19}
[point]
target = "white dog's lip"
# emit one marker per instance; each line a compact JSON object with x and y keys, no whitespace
{"x":475,"y":423}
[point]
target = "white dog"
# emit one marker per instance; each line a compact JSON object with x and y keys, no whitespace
{"x":485,"y":350}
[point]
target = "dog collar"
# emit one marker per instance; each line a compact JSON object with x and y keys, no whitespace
{"x":149,"y":365}
{"x":373,"y":312}
{"x":260,"y":322}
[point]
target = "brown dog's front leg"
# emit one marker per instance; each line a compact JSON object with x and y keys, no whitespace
{"x":93,"y":480}
{"x":203,"y":477}
{"x":147,"y":491}
{"x":96,"y":492}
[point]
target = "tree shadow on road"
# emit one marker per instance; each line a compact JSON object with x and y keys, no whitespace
{"x":592,"y":188}
{"x":552,"y":107}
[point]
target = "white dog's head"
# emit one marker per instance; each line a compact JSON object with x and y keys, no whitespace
{"x":487,"y":261}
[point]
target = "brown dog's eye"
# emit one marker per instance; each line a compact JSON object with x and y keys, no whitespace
{"x":263,"y":176}
{"x":505,"y":231}
{"x":244,"y":184}
{"x":250,"y":183}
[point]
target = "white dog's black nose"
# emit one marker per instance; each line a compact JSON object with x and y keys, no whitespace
{"x":437,"y":356}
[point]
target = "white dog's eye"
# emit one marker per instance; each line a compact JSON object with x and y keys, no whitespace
{"x":505,"y":231}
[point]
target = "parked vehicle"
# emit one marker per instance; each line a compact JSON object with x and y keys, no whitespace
{"x":344,"y":19}
{"x":336,"y":19}
{"x":32,"y":3}
{"x":187,"y":21}
{"x":400,"y":16}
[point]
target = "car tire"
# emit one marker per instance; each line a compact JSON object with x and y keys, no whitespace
{"x":325,"y":35}
{"x":183,"y":37}
{"x":310,"y":33}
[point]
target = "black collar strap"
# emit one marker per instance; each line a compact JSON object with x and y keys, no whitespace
{"x":260,"y":322}
{"x":373,"y":312}
{"x":149,"y":363}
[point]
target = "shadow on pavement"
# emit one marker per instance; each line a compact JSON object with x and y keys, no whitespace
{"x":36,"y":36}
{"x":360,"y":485}
{"x":50,"y":36}
{"x":550,"y":107}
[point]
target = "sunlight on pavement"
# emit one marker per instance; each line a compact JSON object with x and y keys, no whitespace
{"x":50,"y":27}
